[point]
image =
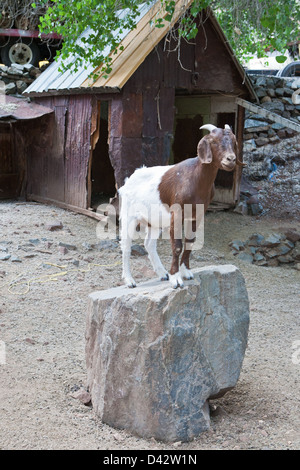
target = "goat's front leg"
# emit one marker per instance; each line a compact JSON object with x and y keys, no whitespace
{"x":185,"y":259}
{"x":175,"y":276}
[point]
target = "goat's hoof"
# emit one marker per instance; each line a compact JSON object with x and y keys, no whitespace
{"x":130,"y":283}
{"x":186,"y":273}
{"x":131,"y":286}
{"x":189,"y":276}
{"x":165,"y":277}
{"x":176,"y":280}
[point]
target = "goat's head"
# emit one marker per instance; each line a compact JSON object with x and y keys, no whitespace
{"x":219,"y":147}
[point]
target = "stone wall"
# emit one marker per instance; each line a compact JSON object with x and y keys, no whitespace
{"x":17,"y":78}
{"x":275,"y":95}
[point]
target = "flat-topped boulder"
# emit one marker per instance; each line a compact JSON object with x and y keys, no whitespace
{"x":156,"y":355}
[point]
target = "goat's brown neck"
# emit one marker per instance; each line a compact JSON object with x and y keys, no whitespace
{"x":205,"y":175}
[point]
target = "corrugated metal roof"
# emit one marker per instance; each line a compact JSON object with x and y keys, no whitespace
{"x":20,"y":109}
{"x":54,"y":80}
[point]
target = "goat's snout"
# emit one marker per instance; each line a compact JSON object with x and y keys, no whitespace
{"x":228,"y":162}
{"x":231,"y":158}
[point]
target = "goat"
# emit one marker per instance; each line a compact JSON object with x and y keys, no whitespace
{"x":150,"y":196}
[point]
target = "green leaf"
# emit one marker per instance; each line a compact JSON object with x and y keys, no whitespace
{"x":280,"y":59}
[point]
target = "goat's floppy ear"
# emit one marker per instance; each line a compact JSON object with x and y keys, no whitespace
{"x":204,"y":151}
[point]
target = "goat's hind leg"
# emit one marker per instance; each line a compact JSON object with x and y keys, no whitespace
{"x":151,"y":238}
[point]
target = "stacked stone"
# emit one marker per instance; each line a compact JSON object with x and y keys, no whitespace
{"x":16,"y":78}
{"x":275,"y":95}
{"x":274,"y":250}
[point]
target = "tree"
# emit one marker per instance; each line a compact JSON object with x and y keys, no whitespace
{"x":251,"y":26}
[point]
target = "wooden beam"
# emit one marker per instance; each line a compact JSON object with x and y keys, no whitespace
{"x":63,"y":205}
{"x":268,"y":114}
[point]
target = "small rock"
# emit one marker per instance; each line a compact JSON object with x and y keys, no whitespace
{"x":262,"y":141}
{"x":138,"y":250}
{"x":15,"y":259}
{"x":279,"y":92}
{"x":83,"y":396}
{"x":241,"y":208}
{"x":35,"y":241}
{"x":54,"y":225}
{"x":273,"y":240}
{"x":262,"y":262}
{"x":291,"y":235}
{"x":63,"y":250}
{"x":256,"y":239}
{"x":285,"y":259}
{"x":271,"y":253}
{"x":283,"y":249}
{"x":245,"y":257}
{"x":237,"y":245}
{"x":21,"y":86}
{"x":252,"y":125}
{"x":289,"y":243}
{"x":106,"y":245}
{"x":296,"y":252}
{"x":256,"y":209}
{"x":67,"y":246}
{"x":4,"y":257}
{"x":253,"y":199}
{"x":10,"y":89}
{"x":87,"y":246}
{"x":3,"y":248}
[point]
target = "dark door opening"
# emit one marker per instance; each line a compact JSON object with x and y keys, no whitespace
{"x":186,"y":138}
{"x":9,"y":168}
{"x":189,"y":117}
{"x":102,"y":172}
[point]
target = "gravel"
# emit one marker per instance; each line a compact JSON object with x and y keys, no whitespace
{"x":42,"y":334}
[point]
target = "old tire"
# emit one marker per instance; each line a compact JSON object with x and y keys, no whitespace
{"x":20,"y":52}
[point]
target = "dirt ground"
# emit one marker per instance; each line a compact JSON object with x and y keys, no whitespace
{"x":44,"y":289}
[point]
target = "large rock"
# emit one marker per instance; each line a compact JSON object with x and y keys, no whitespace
{"x":155,"y":355}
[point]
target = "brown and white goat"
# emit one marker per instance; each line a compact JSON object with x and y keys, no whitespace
{"x":153,"y":196}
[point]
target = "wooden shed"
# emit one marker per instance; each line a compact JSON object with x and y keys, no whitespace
{"x":146,"y":112}
{"x":20,"y":122}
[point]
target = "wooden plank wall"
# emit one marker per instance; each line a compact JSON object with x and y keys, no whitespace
{"x":58,"y":161}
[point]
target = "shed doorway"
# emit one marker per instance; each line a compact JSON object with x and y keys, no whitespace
{"x":190,"y":116}
{"x":102,"y":173}
{"x":10,"y":171}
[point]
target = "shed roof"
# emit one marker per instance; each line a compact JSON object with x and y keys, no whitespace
{"x":20,"y":109}
{"x":136,"y":46}
{"x":53,"y":80}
